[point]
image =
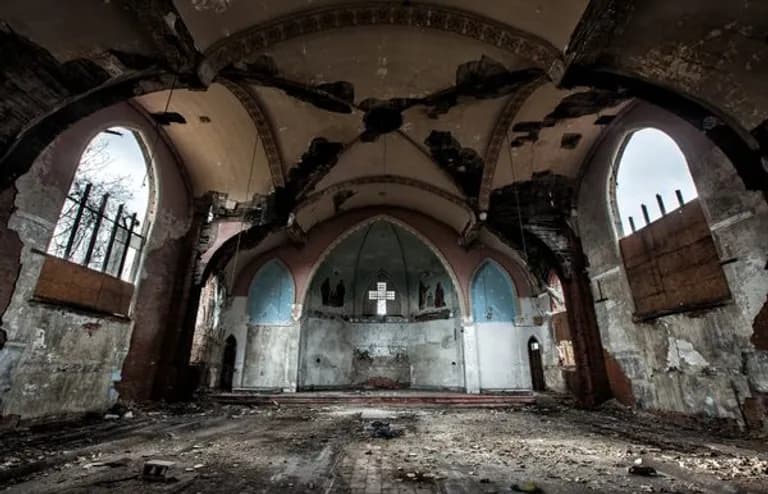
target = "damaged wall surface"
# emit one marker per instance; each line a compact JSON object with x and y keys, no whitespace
{"x":340,"y":354}
{"x":423,"y":344}
{"x":693,"y":362}
{"x":62,"y":360}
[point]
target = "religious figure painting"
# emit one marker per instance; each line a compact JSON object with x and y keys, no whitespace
{"x":332,"y":297}
{"x":439,"y":296}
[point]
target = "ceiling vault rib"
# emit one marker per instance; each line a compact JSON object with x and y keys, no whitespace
{"x":253,"y":106}
{"x":426,"y":153}
{"x":385,"y":179}
{"x":241,"y":45}
{"x":498,"y":135}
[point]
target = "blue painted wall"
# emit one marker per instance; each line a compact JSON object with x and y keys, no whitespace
{"x":493,"y":295}
{"x":270,"y":296}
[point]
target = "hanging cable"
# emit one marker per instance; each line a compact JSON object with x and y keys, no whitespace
{"x":242,"y":217}
{"x":517,"y":195}
{"x":384,"y":155}
{"x":151,"y":153}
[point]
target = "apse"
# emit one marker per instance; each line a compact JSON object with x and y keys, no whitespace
{"x":381,"y":312}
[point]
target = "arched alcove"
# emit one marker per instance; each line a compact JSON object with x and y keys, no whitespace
{"x":416,"y":282}
{"x":494,"y":298}
{"x":228,"y":363}
{"x":103,"y":222}
{"x":381,"y":311}
{"x":536,"y":364}
{"x":650,"y":170}
{"x":271,"y":295}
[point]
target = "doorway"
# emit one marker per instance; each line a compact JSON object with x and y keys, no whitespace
{"x":228,"y":364}
{"x":537,"y":368}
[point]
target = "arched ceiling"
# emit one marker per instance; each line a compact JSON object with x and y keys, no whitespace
{"x":437,"y":106}
{"x":212,"y":21}
{"x":384,"y":191}
{"x":217,"y":141}
{"x":277,"y":77}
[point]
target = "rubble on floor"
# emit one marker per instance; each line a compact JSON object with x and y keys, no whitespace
{"x":550,"y":448}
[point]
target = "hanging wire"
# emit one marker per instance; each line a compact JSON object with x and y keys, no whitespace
{"x":384,"y":156}
{"x":151,"y":154}
{"x":242,"y":217}
{"x":517,"y":194}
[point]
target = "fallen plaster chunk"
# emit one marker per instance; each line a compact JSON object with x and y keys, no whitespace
{"x":681,"y":351}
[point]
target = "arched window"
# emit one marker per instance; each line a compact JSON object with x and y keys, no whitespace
{"x":493,"y":295}
{"x":556,"y":294}
{"x":102,"y":223}
{"x":270,"y":297}
{"x":652,"y":178}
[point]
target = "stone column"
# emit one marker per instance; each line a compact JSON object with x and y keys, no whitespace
{"x":594,"y":387}
{"x":471,"y":360}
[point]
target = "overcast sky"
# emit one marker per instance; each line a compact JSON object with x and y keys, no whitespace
{"x":651,"y":164}
{"x":127,"y":160}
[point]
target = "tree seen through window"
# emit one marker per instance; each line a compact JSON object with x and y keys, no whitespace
{"x":101,"y":224}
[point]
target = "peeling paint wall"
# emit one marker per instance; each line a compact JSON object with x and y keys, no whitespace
{"x":60,"y":361}
{"x":333,"y":349}
{"x":697,"y":362}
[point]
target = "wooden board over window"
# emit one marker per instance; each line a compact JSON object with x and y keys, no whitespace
{"x":66,"y":283}
{"x":673,"y":266}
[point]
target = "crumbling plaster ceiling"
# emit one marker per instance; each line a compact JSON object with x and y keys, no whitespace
{"x":382,"y":61}
{"x":401,"y":193}
{"x":379,"y":62}
{"x":76,"y":28}
{"x":217,"y":153}
{"x":552,"y":20}
{"x":548,"y":152}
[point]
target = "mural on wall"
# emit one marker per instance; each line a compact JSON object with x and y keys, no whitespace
{"x":332,"y":297}
{"x":430,"y":298}
{"x":493,"y":295}
{"x":416,"y":285}
{"x":271,"y":295}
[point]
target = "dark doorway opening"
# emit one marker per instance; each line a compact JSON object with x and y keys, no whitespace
{"x":228,"y":364}
{"x":537,"y":368}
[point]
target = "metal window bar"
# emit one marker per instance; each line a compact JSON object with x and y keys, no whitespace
{"x":122,"y":235}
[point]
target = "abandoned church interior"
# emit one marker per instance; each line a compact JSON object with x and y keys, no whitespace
{"x":383,"y":246}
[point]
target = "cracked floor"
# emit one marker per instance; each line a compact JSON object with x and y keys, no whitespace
{"x":552,"y":447}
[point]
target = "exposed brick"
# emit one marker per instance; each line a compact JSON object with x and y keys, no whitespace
{"x":621,"y":386}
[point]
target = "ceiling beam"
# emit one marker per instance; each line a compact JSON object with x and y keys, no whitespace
{"x":498,"y":136}
{"x":252,"y":104}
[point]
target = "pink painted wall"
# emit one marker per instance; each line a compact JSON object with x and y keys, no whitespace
{"x":302,"y":260}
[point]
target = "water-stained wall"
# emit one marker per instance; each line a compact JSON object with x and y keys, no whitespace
{"x":60,"y":360}
{"x":697,"y":362}
{"x":335,"y":338}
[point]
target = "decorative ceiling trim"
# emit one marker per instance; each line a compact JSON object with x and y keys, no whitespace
{"x":498,"y":135}
{"x":386,"y":179}
{"x":253,"y":106}
{"x":242,"y":45}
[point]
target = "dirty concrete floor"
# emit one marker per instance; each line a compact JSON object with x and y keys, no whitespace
{"x":237,"y":449}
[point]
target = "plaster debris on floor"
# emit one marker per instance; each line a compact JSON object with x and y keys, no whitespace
{"x":550,"y":447}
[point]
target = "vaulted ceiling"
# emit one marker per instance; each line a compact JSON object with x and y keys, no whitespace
{"x":478,"y":72}
{"x":326,"y":106}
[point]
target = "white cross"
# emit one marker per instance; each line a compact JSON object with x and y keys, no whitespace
{"x":381,"y":295}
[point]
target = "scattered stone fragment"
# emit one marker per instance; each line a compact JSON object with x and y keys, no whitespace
{"x":157,"y":471}
{"x":383,"y":430}
{"x":643,"y":470}
{"x":527,"y":487}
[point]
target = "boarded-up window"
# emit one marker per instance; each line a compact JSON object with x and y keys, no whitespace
{"x":673,"y":266}
{"x":67,"y":283}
